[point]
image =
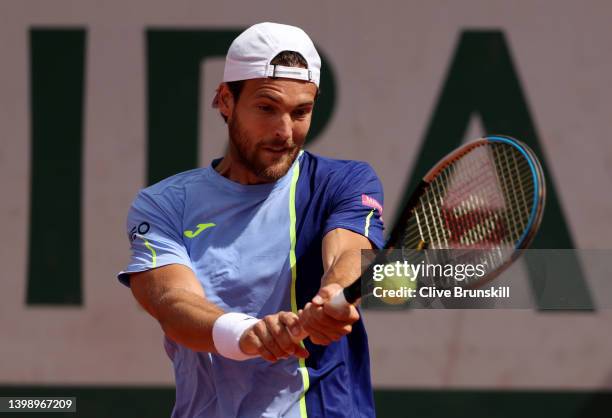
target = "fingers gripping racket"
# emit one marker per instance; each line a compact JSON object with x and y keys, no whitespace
{"x":486,"y":196}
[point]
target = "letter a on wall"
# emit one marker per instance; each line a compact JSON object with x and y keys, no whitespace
{"x":482,"y":80}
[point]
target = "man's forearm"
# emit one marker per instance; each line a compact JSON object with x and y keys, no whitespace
{"x":345,"y":269}
{"x":188,"y":319}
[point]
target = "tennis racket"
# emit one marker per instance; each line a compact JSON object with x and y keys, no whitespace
{"x":483,"y":200}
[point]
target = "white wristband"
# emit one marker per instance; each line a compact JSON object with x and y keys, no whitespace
{"x":226,"y":333}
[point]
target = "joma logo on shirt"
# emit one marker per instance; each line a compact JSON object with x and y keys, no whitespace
{"x":141,"y":229}
{"x":201,"y":227}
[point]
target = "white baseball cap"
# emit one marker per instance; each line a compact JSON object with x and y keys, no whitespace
{"x":250,"y":54}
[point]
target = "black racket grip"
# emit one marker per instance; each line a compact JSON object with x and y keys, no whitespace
{"x":348,"y":295}
{"x":353,"y":292}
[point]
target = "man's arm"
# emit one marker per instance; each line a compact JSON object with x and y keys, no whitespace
{"x":173,"y":295}
{"x":342,"y":256}
{"x":342,"y":266}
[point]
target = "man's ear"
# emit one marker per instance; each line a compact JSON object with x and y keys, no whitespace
{"x":225,"y":100}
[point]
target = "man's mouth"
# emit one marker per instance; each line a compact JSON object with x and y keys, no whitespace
{"x":277,"y":150}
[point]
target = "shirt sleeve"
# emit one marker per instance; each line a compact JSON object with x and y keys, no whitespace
{"x":357,"y":203}
{"x":154,"y":233}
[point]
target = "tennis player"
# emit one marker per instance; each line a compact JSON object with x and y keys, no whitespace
{"x":237,"y":260}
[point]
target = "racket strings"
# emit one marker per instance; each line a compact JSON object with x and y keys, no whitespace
{"x":507,"y":184}
{"x":481,"y":221}
{"x":466,"y":218}
{"x":491,"y":221}
{"x":473,"y":217}
{"x":520,"y":175}
{"x":481,"y":200}
{"x":518,"y":183}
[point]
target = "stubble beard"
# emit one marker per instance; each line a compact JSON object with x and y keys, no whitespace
{"x":249,"y":156}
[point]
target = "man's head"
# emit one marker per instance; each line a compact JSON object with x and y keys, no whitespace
{"x":270,"y":85}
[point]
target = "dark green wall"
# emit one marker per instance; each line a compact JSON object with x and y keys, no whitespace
{"x":142,"y":402}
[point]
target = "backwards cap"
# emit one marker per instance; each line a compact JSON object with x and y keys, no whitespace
{"x":250,"y":54}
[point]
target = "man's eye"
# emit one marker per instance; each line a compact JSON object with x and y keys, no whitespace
{"x":265,"y":108}
{"x":301,"y":113}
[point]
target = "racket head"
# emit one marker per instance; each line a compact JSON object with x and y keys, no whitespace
{"x":486,"y":196}
{"x":509,"y":165}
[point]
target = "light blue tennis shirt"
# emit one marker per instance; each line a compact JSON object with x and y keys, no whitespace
{"x":257,"y":250}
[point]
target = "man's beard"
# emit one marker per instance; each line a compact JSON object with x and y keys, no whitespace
{"x":250,"y":157}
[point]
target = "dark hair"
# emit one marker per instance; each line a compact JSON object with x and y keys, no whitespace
{"x":284,"y":58}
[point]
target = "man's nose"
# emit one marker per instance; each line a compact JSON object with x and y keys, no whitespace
{"x":284,"y":128}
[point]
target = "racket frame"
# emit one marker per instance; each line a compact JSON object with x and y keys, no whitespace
{"x":353,"y":292}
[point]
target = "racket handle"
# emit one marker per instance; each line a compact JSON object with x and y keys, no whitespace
{"x":348,"y":295}
{"x":353,"y":292}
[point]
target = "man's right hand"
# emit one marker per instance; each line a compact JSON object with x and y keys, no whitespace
{"x":325,"y":322}
{"x":275,"y":337}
